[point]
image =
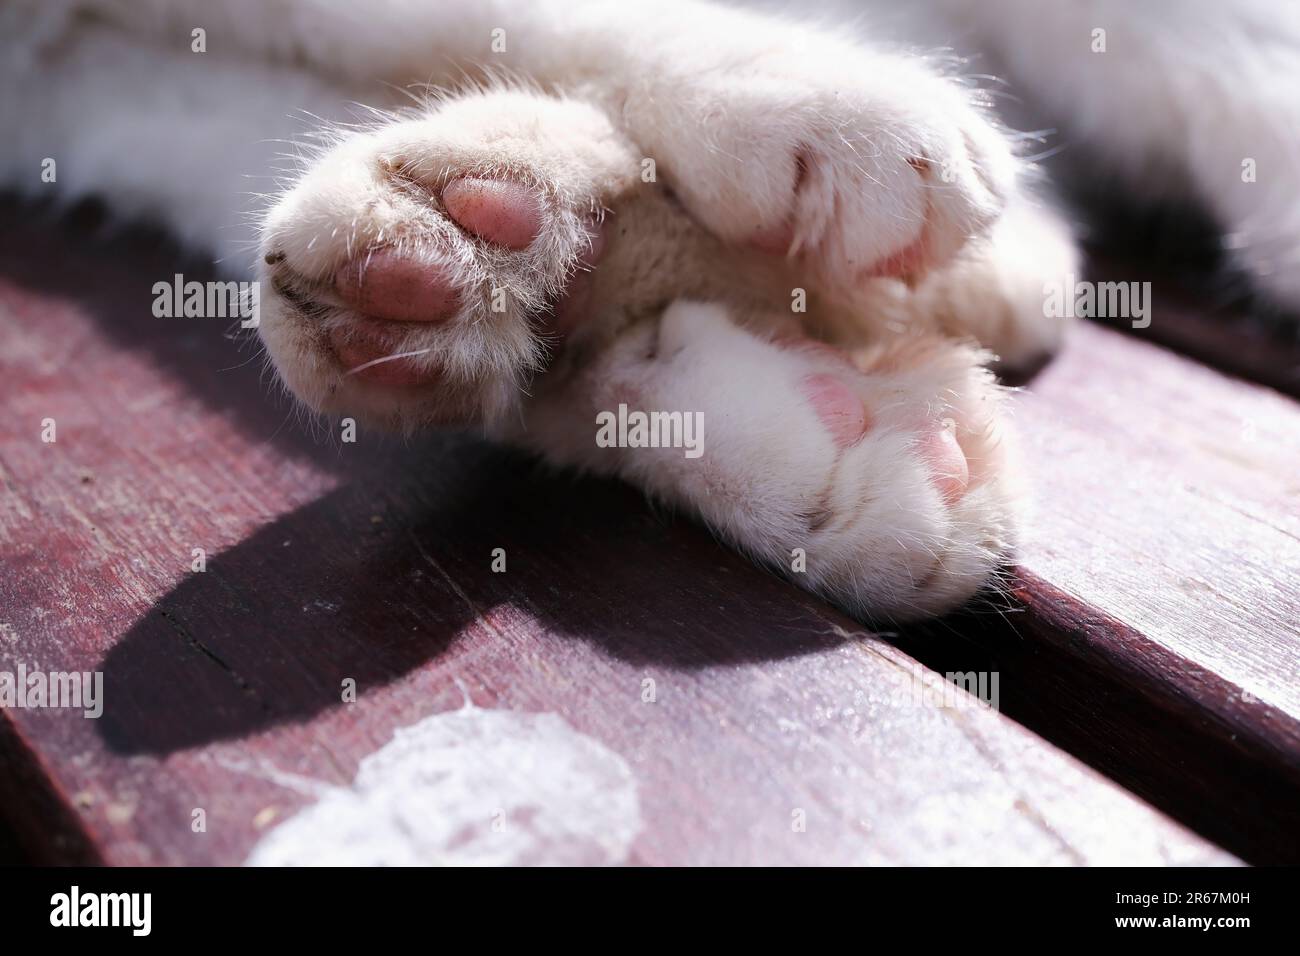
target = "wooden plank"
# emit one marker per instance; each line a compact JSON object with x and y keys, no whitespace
{"x":1212,"y":321}
{"x":1157,"y":608}
{"x":1169,"y":495}
{"x":372,"y":562}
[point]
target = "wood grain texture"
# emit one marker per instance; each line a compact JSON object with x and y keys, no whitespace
{"x":1157,"y":610}
{"x":1208,"y":315}
{"x":1169,"y":496}
{"x":371,"y":561}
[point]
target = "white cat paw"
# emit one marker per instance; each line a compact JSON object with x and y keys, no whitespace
{"x":881,"y":481}
{"x":416,"y":271}
{"x":861,"y":164}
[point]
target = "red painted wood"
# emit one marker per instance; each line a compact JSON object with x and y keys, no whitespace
{"x":1215,"y":325}
{"x":372,"y":562}
{"x":1156,"y":623}
{"x":1168,"y":495}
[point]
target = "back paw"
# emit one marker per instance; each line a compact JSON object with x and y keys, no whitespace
{"x":881,"y":480}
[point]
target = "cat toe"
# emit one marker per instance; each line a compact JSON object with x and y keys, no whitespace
{"x":838,"y":408}
{"x":425,"y":271}
{"x":388,"y":284}
{"x":500,"y":211}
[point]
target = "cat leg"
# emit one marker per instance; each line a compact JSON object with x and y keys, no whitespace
{"x":880,"y":480}
{"x":887,"y":470}
{"x":1182,"y":102}
{"x":161,"y":134}
{"x":855,"y":160}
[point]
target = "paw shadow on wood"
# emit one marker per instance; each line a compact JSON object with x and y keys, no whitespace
{"x":107,"y":270}
{"x":382,"y":577}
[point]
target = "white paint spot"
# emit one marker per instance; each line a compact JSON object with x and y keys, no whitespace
{"x":470,"y":787}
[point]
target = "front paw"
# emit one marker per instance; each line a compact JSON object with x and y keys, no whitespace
{"x":861,"y":164}
{"x":418,"y":272}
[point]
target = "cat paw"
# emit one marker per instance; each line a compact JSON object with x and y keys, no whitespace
{"x":998,"y":289}
{"x":880,"y":480}
{"x":418,"y":273}
{"x":859,"y":164}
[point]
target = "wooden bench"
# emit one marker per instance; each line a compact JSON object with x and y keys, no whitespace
{"x":1145,"y":666}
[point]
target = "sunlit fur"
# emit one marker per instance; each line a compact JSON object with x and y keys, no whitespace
{"x":828,"y":138}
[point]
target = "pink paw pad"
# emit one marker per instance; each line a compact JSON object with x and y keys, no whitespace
{"x":370,"y":353}
{"x":388,"y":285}
{"x":837,"y":406}
{"x":950,"y":469}
{"x":774,"y":239}
{"x":384,"y":284}
{"x":503,"y":212}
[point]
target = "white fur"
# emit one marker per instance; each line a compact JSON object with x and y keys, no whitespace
{"x":871,"y":522}
{"x":358,"y":195}
{"x":764,"y":128}
{"x":1185,"y":92}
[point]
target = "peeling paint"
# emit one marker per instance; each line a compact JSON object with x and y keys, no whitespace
{"x":470,"y":787}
